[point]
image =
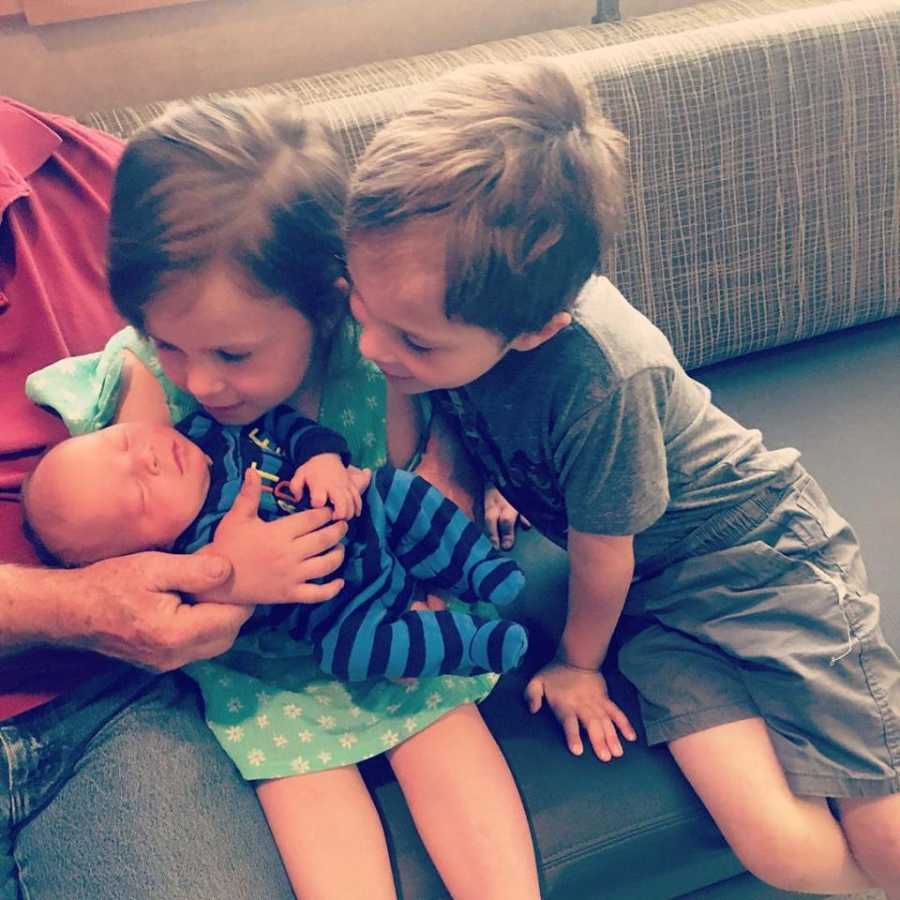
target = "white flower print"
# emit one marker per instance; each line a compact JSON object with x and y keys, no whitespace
{"x":305,"y":736}
{"x":392,"y":708}
{"x":256,"y":757}
{"x":234,"y":734}
{"x":433,"y":701}
{"x":355,"y":711}
{"x":300,"y":765}
{"x":347,"y":740}
{"x":280,"y":740}
{"x":390,"y":738}
{"x":323,"y":700}
{"x":291,"y":710}
{"x":324,"y":757}
{"x":411,"y":685}
{"x":262,"y":720}
{"x":409,"y":723}
{"x":234,"y":704}
{"x":327,"y":721}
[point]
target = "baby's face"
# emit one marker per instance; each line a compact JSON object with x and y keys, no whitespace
{"x":126,"y":488}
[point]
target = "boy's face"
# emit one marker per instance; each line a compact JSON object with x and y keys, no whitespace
{"x":398,"y":299}
{"x":126,"y":488}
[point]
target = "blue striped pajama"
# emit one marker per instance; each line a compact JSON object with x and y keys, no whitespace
{"x":408,"y":534}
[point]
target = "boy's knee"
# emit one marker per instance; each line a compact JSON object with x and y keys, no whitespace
{"x":782,"y":854}
{"x":872,"y":829}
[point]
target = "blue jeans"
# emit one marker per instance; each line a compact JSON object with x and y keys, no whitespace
{"x":119,"y":790}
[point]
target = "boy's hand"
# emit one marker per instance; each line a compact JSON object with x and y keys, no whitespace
{"x":329,"y":481}
{"x":501,"y":518}
{"x":579,"y":699}
{"x":274,"y":562}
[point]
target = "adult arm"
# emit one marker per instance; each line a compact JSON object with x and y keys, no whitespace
{"x":129,"y":608}
{"x":600,"y":572}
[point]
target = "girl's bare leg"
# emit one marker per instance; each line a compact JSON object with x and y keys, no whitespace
{"x":467,"y":808}
{"x":320,"y":822}
{"x":791,"y":842}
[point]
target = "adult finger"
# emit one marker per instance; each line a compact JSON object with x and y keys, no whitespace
{"x":192,"y":574}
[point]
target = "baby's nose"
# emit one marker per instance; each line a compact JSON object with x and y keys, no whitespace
{"x":150,"y":460}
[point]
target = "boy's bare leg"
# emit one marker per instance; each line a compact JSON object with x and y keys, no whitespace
{"x":872,"y":826}
{"x":791,"y":842}
{"x":319,"y":822}
{"x":467,"y":808}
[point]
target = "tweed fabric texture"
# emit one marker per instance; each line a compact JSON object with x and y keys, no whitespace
{"x":764,"y":204}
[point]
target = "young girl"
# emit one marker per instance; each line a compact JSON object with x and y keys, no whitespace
{"x":225,"y":252}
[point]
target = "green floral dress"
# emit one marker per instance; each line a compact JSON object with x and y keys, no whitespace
{"x":272,"y":709}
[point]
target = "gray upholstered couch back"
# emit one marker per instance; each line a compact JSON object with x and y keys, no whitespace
{"x":764,"y":158}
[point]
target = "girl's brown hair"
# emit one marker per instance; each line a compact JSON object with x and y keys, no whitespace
{"x":253,"y":184}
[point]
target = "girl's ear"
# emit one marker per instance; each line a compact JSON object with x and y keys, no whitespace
{"x":532,"y":339}
{"x":342,"y":286}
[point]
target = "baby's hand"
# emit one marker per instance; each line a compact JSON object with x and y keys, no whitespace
{"x":330,"y":481}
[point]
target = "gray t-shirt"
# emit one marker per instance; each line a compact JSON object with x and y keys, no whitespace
{"x":600,"y":428}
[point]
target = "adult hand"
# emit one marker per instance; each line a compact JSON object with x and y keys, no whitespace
{"x":131,"y":608}
{"x":501,"y":518}
{"x":275,"y":562}
{"x":579,"y":699}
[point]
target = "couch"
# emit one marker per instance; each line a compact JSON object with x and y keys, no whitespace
{"x":764,"y":238}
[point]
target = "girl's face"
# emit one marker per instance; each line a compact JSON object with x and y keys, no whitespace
{"x":238,"y":353}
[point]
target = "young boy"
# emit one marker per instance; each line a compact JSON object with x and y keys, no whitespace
{"x":138,"y":486}
{"x":476,"y":228}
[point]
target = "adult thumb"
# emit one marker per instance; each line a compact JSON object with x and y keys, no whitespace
{"x":191,"y":574}
{"x":246,"y":504}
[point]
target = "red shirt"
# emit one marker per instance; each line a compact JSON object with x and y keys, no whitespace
{"x":55,"y":183}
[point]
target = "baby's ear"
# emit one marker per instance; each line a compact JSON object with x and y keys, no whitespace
{"x":532,"y":339}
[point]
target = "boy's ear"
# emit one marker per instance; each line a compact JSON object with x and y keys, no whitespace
{"x":532,"y":339}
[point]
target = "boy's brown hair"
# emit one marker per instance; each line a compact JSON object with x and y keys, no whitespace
{"x":529,"y":177}
{"x":255,"y":184}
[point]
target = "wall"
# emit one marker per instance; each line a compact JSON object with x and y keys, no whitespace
{"x":158,"y":54}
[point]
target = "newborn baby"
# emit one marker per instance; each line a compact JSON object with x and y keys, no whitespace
{"x":140,"y":486}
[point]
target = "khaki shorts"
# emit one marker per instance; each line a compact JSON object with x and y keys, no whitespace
{"x":766,"y":612}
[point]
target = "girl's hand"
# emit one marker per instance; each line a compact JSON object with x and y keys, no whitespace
{"x":579,"y":699}
{"x":274,"y":562}
{"x":329,"y":481}
{"x":500,"y":518}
